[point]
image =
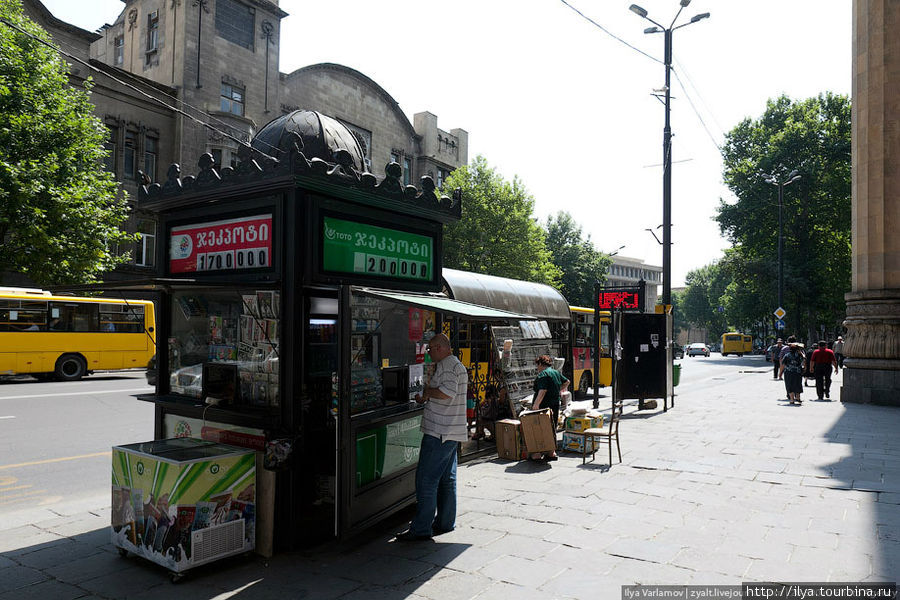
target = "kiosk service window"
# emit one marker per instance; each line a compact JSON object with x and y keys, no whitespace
{"x":214,"y":328}
{"x":387,"y":352}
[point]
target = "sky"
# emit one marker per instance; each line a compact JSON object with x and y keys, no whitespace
{"x":550,"y":98}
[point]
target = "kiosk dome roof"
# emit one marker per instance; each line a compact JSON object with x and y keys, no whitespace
{"x":322,"y":136}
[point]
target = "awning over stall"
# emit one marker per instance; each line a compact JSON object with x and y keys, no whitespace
{"x":537,"y":300}
{"x":446,"y":306}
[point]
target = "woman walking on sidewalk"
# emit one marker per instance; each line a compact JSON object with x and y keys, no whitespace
{"x":792,"y":371}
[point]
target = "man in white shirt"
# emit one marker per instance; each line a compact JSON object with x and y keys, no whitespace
{"x":443,"y":426}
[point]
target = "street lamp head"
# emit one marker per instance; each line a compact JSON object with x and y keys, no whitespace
{"x":638,"y":10}
{"x":653,"y":29}
{"x":699,"y":17}
{"x":684,"y":3}
{"x":793,"y":174}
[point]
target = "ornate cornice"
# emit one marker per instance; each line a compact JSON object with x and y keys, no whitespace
{"x":339,"y":178}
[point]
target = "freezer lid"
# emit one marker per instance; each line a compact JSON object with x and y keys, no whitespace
{"x":446,"y":305}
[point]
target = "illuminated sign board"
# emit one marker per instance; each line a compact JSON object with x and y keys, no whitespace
{"x":372,"y":251}
{"x":624,"y":298}
{"x":227,"y":245}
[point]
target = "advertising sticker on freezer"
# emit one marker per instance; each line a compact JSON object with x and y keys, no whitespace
{"x":183,"y":502}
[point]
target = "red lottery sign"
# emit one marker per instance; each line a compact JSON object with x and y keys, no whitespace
{"x":241,"y":243}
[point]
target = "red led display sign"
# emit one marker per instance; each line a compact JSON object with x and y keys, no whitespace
{"x":614,"y":299}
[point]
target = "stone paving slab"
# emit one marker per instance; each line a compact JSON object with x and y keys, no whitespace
{"x":730,"y":485}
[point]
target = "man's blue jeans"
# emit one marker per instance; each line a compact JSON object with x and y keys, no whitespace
{"x":435,"y":487}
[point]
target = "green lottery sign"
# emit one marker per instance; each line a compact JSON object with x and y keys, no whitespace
{"x":352,"y":247}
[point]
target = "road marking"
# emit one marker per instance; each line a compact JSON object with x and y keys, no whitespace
{"x":143,"y":389}
{"x":25,"y":496}
{"x":15,"y":487}
{"x":55,"y":460}
{"x":7,"y":417}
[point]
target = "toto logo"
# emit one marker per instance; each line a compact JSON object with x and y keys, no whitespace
{"x":334,"y":234}
{"x":213,"y":468}
{"x":140,"y":468}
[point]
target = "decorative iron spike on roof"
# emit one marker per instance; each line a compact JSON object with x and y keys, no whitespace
{"x":254,"y":165}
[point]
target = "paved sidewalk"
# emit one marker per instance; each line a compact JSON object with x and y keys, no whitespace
{"x":731,"y":485}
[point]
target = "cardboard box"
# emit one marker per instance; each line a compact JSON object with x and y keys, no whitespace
{"x":583,"y":422}
{"x":509,"y":439}
{"x":538,"y":430}
{"x":574,"y":442}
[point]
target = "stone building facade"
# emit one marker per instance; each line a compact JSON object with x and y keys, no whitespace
{"x":211,"y":68}
{"x":134,"y":109}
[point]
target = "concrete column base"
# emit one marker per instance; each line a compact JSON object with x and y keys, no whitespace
{"x":872,"y":348}
{"x":866,"y":383}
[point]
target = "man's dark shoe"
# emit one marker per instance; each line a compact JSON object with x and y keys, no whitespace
{"x":437,"y":531}
{"x":408,"y":536}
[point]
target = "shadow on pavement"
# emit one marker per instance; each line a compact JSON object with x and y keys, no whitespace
{"x":372,"y":565}
{"x":869,"y":465}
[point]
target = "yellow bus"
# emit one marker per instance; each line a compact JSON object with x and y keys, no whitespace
{"x":736,"y":343}
{"x":582,"y":348}
{"x":67,"y":338}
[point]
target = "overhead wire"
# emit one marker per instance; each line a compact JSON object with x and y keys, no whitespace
{"x":703,"y":102}
{"x":696,"y":112}
{"x":609,"y":33}
{"x":175,"y":109}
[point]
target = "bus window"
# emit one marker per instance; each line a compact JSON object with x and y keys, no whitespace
{"x":584,"y":334}
{"x":65,"y":316}
{"x":23,"y":315}
{"x":122,"y":318}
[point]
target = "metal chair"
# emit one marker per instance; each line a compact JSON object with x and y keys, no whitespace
{"x":594,"y":433}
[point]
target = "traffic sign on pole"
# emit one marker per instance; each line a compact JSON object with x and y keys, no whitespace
{"x":779,"y":324}
{"x":780,"y":313}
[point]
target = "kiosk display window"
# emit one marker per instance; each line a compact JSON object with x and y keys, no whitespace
{"x":387,"y":352}
{"x":230,"y":339}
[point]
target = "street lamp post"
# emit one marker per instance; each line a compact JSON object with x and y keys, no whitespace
{"x":667,"y":139}
{"x":791,"y":178}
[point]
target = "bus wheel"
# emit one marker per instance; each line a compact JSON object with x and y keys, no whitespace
{"x":70,"y":367}
{"x":584,"y":384}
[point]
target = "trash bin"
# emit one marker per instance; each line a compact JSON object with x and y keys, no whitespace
{"x":676,"y":374}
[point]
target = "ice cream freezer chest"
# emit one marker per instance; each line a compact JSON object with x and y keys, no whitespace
{"x":183,"y":502}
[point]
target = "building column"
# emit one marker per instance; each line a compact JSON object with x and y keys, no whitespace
{"x":872,"y":344}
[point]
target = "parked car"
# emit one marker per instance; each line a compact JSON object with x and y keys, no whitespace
{"x":698,"y":349}
{"x":677,"y":351}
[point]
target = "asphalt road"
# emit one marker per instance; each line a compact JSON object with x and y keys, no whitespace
{"x":55,"y":437}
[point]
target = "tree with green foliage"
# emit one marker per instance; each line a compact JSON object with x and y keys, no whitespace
{"x":581,"y":265}
{"x":498,"y":234}
{"x":812,"y":137}
{"x":59,"y":210}
{"x":701,"y":300}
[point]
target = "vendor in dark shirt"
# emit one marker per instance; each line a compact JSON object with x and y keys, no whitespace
{"x":548,"y":385}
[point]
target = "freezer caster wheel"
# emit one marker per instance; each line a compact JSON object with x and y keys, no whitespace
{"x":175,"y":577}
{"x":123,"y":552}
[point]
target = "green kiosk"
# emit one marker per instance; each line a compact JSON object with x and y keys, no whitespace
{"x":297,"y":295}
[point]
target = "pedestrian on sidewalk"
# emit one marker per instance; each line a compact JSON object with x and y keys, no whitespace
{"x":823,"y":360}
{"x":444,"y":427}
{"x":838,"y":350}
{"x":776,"y":356}
{"x":548,"y":385}
{"x":792,"y":372}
